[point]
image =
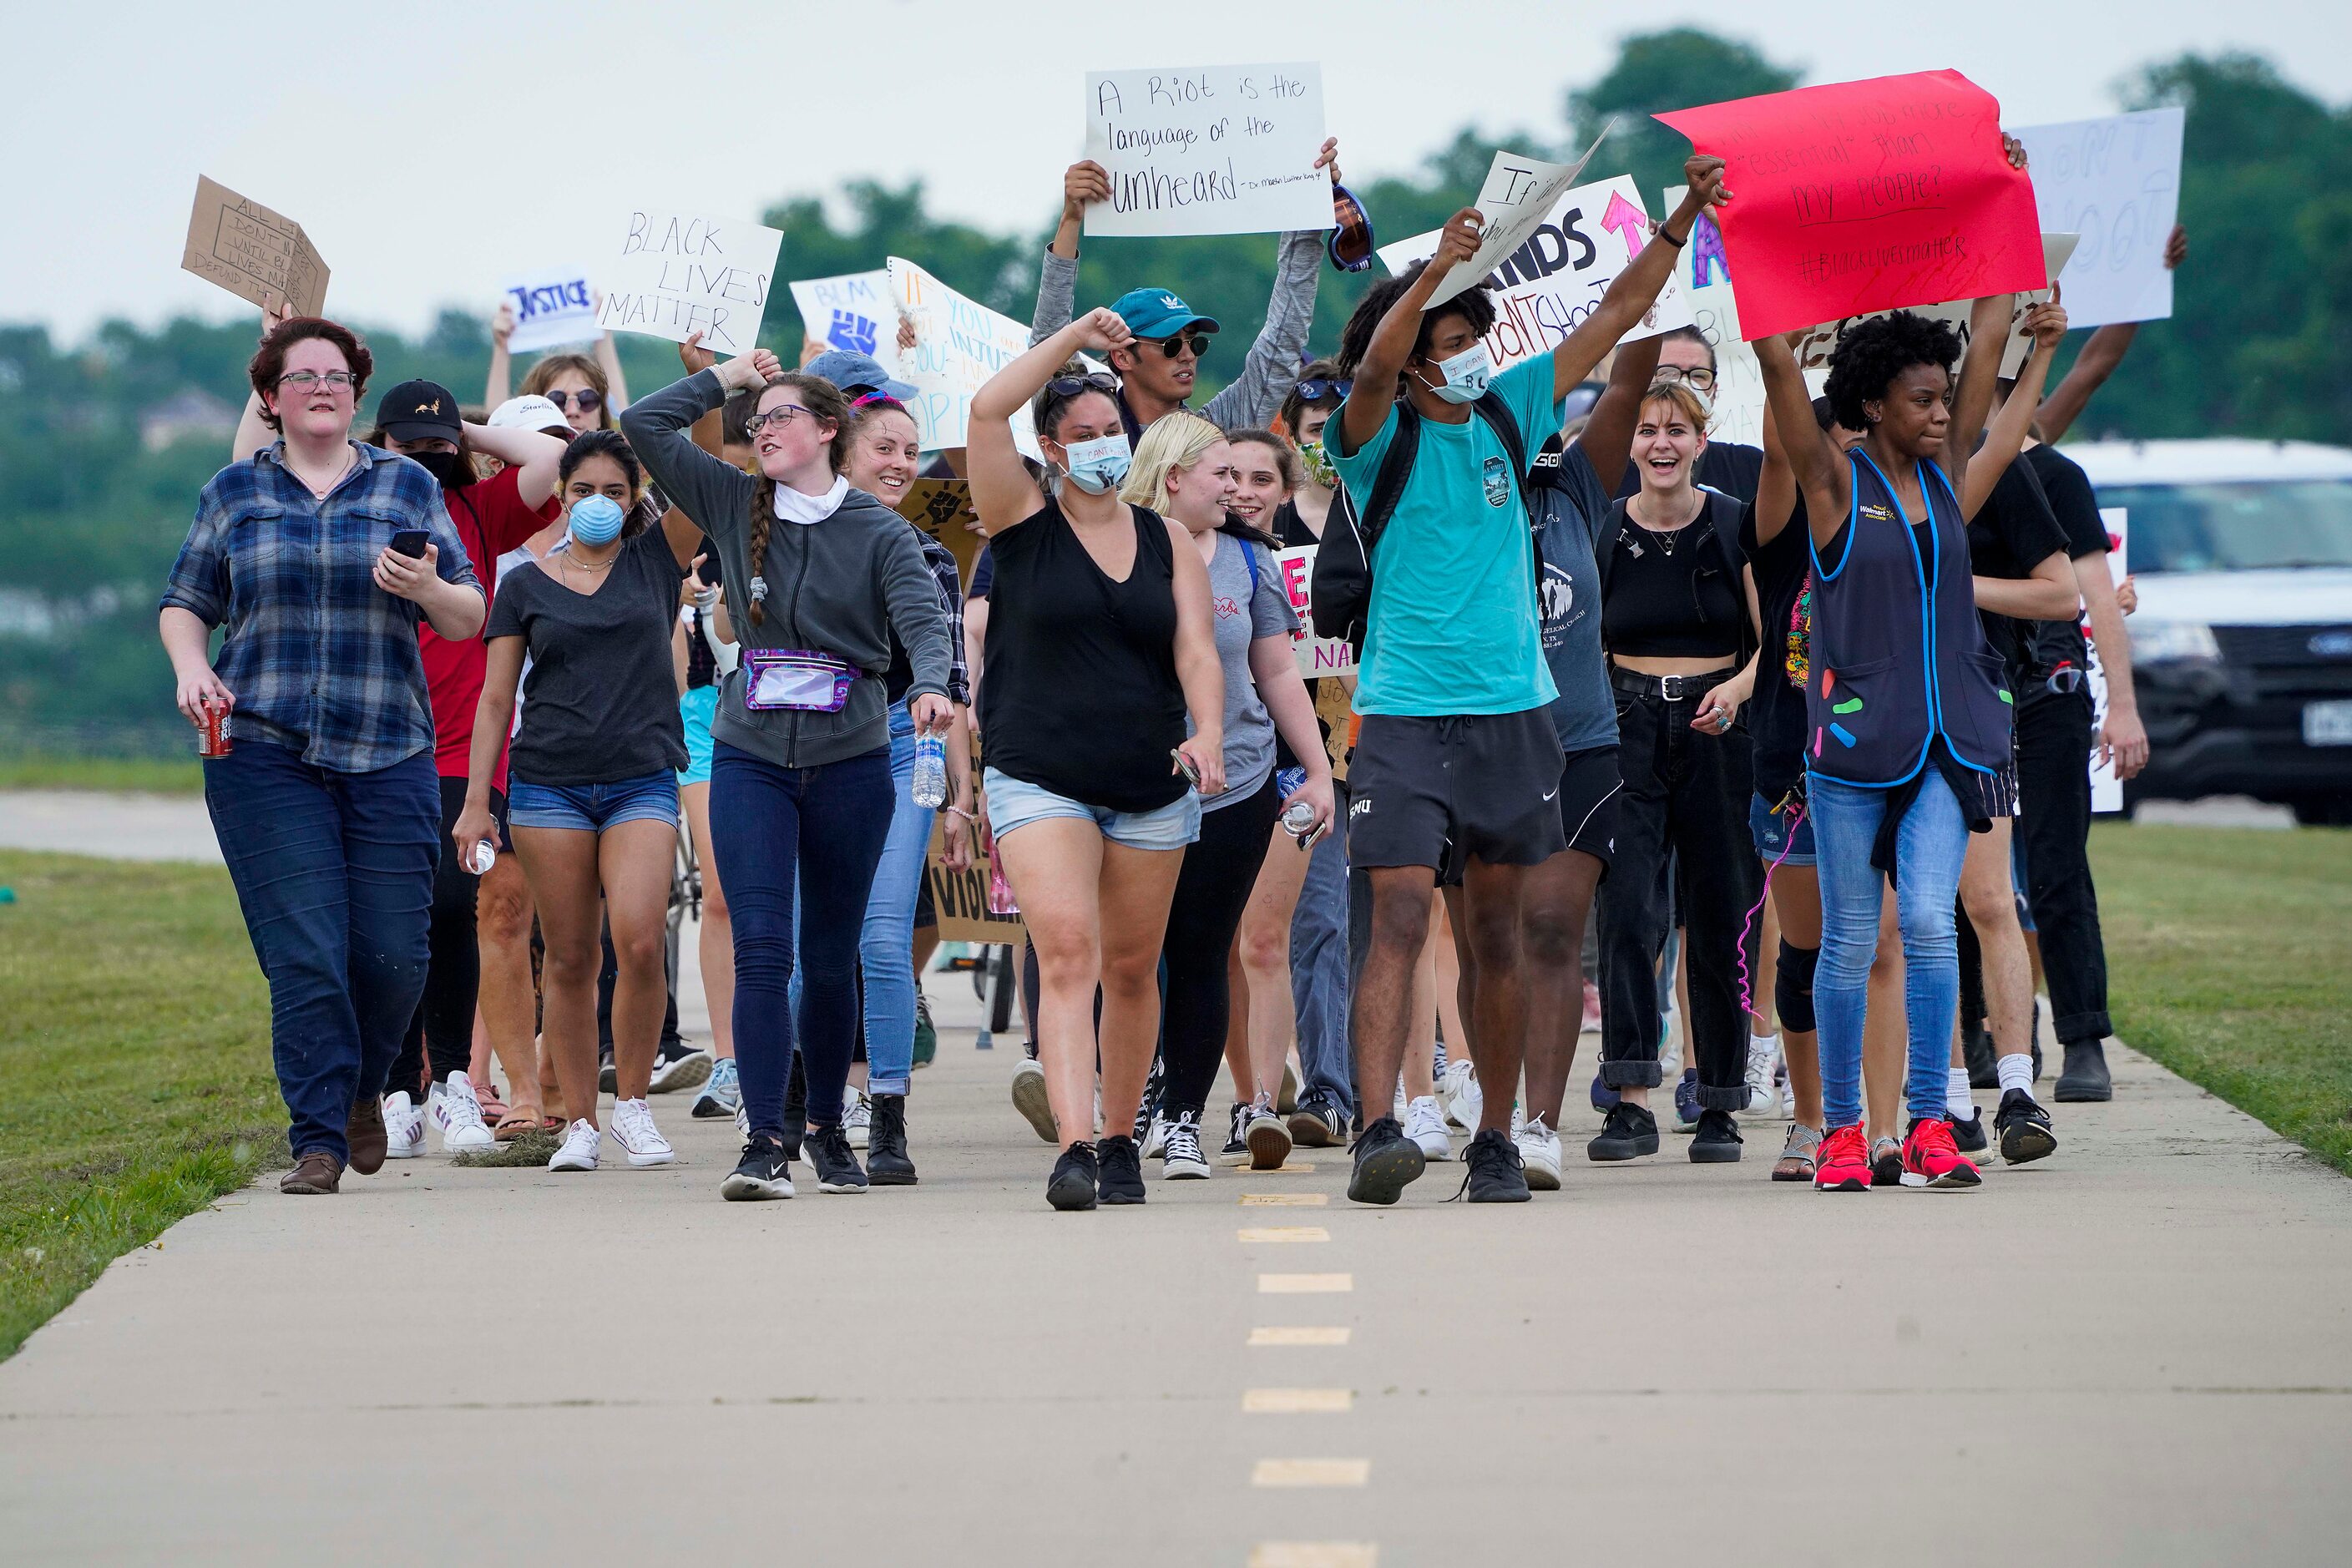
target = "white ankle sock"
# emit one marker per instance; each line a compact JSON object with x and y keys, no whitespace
{"x":1762,"y":1043}
{"x":2017,"y":1072}
{"x":1957,"y":1098}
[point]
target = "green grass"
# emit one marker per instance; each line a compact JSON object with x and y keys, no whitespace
{"x":2230,"y":961}
{"x":159,"y":775}
{"x":135,"y":1082}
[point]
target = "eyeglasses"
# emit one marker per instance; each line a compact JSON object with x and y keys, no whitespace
{"x":333,"y":380}
{"x":1321,"y":387}
{"x":780,"y":415}
{"x":1197,"y":342}
{"x":1697,"y":377}
{"x":589,"y":398}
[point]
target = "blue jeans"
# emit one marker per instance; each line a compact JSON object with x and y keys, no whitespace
{"x":782,"y":835}
{"x":591,"y":808}
{"x":1930,"y":843}
{"x":335,"y":872}
{"x":1318,"y":971}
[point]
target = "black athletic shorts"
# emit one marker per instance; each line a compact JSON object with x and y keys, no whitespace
{"x":1590,"y":790}
{"x":1429,"y":792}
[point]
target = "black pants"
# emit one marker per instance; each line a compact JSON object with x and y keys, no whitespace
{"x":2054,"y":748}
{"x":443,"y":1027}
{"x":1212,"y":890}
{"x":1686,"y":796}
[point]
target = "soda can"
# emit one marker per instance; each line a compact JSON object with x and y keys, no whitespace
{"x":213,"y":733}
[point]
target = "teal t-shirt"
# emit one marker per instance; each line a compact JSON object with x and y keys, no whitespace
{"x":1452,"y":625}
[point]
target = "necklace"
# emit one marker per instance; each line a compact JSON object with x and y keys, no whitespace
{"x":564,"y":560}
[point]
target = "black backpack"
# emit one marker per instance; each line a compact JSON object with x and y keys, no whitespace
{"x":1339,"y":595}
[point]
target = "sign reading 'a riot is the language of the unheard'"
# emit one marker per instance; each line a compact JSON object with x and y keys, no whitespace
{"x":1208,"y":150}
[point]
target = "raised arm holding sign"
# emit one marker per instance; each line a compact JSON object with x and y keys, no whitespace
{"x":254,"y":253}
{"x":1519,"y":196}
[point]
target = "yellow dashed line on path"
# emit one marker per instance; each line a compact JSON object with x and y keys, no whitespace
{"x":1294,"y":1335}
{"x":1298,"y":1401}
{"x":1286,"y":1200}
{"x":1314,"y":1554}
{"x":1311,"y":1473}
{"x":1305,"y":1284}
{"x":1282,"y":1233}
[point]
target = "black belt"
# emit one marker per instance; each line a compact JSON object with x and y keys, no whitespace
{"x":1671,"y":688}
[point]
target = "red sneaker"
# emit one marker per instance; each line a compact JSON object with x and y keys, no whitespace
{"x":1842,"y":1163}
{"x":1930,"y":1158}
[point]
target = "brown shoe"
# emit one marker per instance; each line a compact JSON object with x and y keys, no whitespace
{"x":316,"y":1174}
{"x":365,"y":1132}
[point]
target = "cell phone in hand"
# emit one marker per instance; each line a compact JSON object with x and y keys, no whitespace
{"x":411,"y":543}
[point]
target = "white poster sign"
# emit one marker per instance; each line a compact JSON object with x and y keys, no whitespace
{"x":1317,"y":656}
{"x":1814,"y":349}
{"x":856,"y":312}
{"x":1703,"y":271}
{"x":679,"y":274}
{"x":1208,"y":150}
{"x":1519,"y":197}
{"x":2117,"y":182}
{"x":960,"y":343}
{"x":1544,"y":289}
{"x":2107,"y":790}
{"x":554,"y":305}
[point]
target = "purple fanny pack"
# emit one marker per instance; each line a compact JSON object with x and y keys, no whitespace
{"x":797,"y":679}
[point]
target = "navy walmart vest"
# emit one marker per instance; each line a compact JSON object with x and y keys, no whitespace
{"x":1898,"y":655}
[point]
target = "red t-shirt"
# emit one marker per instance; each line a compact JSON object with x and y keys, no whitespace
{"x":490,"y":519}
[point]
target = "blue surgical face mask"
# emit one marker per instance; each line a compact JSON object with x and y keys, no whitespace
{"x":596,"y":520}
{"x":1098,"y":465}
{"x":1466,"y":374}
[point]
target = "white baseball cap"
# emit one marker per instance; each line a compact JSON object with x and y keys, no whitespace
{"x":528,"y":413}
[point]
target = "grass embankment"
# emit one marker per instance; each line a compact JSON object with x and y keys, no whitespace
{"x":155,"y":775}
{"x":135,"y":1082}
{"x":2230,"y":961}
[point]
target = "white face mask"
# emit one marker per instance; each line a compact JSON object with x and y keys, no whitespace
{"x":1466,"y":374}
{"x":1098,"y":465}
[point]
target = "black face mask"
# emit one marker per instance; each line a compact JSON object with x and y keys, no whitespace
{"x":449,"y":468}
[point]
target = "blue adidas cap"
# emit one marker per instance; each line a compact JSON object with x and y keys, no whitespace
{"x":1157,"y":313}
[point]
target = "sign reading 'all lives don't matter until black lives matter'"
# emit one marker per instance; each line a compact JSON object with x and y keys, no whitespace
{"x":1208,"y":150}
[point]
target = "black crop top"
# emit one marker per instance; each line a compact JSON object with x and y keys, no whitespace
{"x":1657,"y":601}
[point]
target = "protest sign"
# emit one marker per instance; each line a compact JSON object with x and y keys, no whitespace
{"x":1547,"y":287}
{"x":1208,"y":150}
{"x":254,"y":253}
{"x":1867,"y":195}
{"x":1814,"y":348}
{"x":1517,"y":197}
{"x":551,"y":307}
{"x":2116,"y":182}
{"x":853,"y":312}
{"x":960,"y":899}
{"x":679,"y":274}
{"x":943,"y":509}
{"x":959,"y":344}
{"x":1317,"y":656}
{"x":2107,"y":790}
{"x":1703,"y":271}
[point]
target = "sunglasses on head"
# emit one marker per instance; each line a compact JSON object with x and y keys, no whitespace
{"x":1171,"y":347}
{"x":1066,"y":386}
{"x":589,"y":398}
{"x":1321,"y":387}
{"x":1350,"y":244}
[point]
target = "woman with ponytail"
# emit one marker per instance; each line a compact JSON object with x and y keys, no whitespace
{"x":823,"y":578}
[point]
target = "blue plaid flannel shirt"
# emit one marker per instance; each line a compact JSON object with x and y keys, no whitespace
{"x":943,"y":572}
{"x":321,"y":659}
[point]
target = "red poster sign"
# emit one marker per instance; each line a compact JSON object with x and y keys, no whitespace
{"x":1866,"y":196}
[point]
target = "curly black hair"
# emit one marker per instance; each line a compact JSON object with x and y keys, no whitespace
{"x":1472,"y":305}
{"x":1871,"y":354}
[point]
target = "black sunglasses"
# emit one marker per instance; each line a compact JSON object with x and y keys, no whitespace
{"x":1321,"y":387}
{"x":1064,"y":386}
{"x":589,"y":397}
{"x":1171,"y":347}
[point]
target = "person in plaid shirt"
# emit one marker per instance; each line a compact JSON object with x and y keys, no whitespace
{"x":327,"y":807}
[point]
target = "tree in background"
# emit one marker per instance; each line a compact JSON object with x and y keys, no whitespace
{"x":1657,"y":72}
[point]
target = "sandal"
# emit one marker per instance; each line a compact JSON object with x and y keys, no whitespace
{"x":1798,"y":1157}
{"x":516,"y":1124}
{"x":485,"y":1095}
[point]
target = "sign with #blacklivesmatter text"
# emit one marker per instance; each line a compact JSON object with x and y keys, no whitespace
{"x":551,"y":307}
{"x":1814,"y":349}
{"x":1208,"y":150}
{"x":679,"y":274}
{"x":254,"y":253}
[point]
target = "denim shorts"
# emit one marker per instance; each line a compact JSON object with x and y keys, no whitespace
{"x":1012,"y":803}
{"x":1774,"y":834}
{"x":695,"y":711}
{"x":591,"y":808}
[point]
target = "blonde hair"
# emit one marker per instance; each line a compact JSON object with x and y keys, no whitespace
{"x":1174,"y":440}
{"x":1687,"y":402}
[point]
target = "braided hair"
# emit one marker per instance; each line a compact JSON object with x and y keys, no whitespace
{"x":824,"y":402}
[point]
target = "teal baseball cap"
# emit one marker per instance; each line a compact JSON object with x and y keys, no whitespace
{"x":1157,"y":313}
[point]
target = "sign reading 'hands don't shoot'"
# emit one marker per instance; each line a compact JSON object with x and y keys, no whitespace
{"x":1208,"y":150}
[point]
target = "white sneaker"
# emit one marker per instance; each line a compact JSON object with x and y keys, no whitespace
{"x":1155,"y":1139}
{"x":1459,"y":1094}
{"x":403,"y":1127}
{"x":579,"y":1151}
{"x":1398,"y":1109}
{"x":633,"y":1130}
{"x":1029,"y":1098}
{"x":1426,"y":1125}
{"x":856,"y":1115}
{"x":1181,"y":1148}
{"x":1763,"y":1056}
{"x":457,"y":1117}
{"x":1539,"y":1153}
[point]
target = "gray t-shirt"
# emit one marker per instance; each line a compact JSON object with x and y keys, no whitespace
{"x":599,"y":703}
{"x":1574,"y":505}
{"x":1242,"y":614}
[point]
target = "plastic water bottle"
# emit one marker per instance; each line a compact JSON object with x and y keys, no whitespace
{"x":927,"y":787}
{"x":1298,"y":816}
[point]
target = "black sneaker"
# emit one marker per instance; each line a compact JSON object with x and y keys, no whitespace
{"x":1072,"y":1185}
{"x":762,"y":1173}
{"x":607,"y":1077}
{"x":2024,"y":1128}
{"x":1317,"y":1124}
{"x":1717,"y":1141}
{"x":1387,"y":1162}
{"x":1886,"y":1163}
{"x":1977,"y":1054}
{"x":2084,"y":1075}
{"x":1119,"y":1171}
{"x":679,"y":1066}
{"x":886,"y":1164}
{"x":1495,"y":1175}
{"x":1969,"y":1137}
{"x":1236,"y":1149}
{"x":1629,"y":1133}
{"x":835,"y":1161}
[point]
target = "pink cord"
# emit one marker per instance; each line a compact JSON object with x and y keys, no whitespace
{"x":1746,"y":984}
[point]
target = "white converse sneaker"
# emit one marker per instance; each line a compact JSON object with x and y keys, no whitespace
{"x":403,"y":1126}
{"x":579,"y":1151}
{"x":1539,"y":1148}
{"x":1181,"y":1158}
{"x":1426,"y":1125}
{"x":457,"y":1117}
{"x":1459,"y":1096}
{"x":1763,"y":1058}
{"x":856,"y":1115}
{"x":633,"y":1130}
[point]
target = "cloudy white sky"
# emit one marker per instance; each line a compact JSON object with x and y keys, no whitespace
{"x":427,"y":147}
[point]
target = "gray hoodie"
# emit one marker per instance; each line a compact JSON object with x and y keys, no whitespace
{"x":840,"y":586}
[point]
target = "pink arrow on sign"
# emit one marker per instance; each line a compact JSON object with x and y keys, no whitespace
{"x":1630,"y":222}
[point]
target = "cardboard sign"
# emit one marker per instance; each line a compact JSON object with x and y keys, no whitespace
{"x":1867,"y":195}
{"x":855,"y":311}
{"x":960,"y":899}
{"x":1546,"y":288}
{"x":551,"y":307}
{"x":1317,"y":656}
{"x":254,"y":253}
{"x":960,"y":343}
{"x":1208,"y":150}
{"x":1814,"y":348}
{"x":679,"y":274}
{"x":2107,"y":790}
{"x":1704,"y":272}
{"x":943,"y":509}
{"x":1517,"y":197}
{"x":2116,"y":182}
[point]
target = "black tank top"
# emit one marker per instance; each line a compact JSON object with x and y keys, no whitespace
{"x":1666,"y":596}
{"x":1080,"y":695}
